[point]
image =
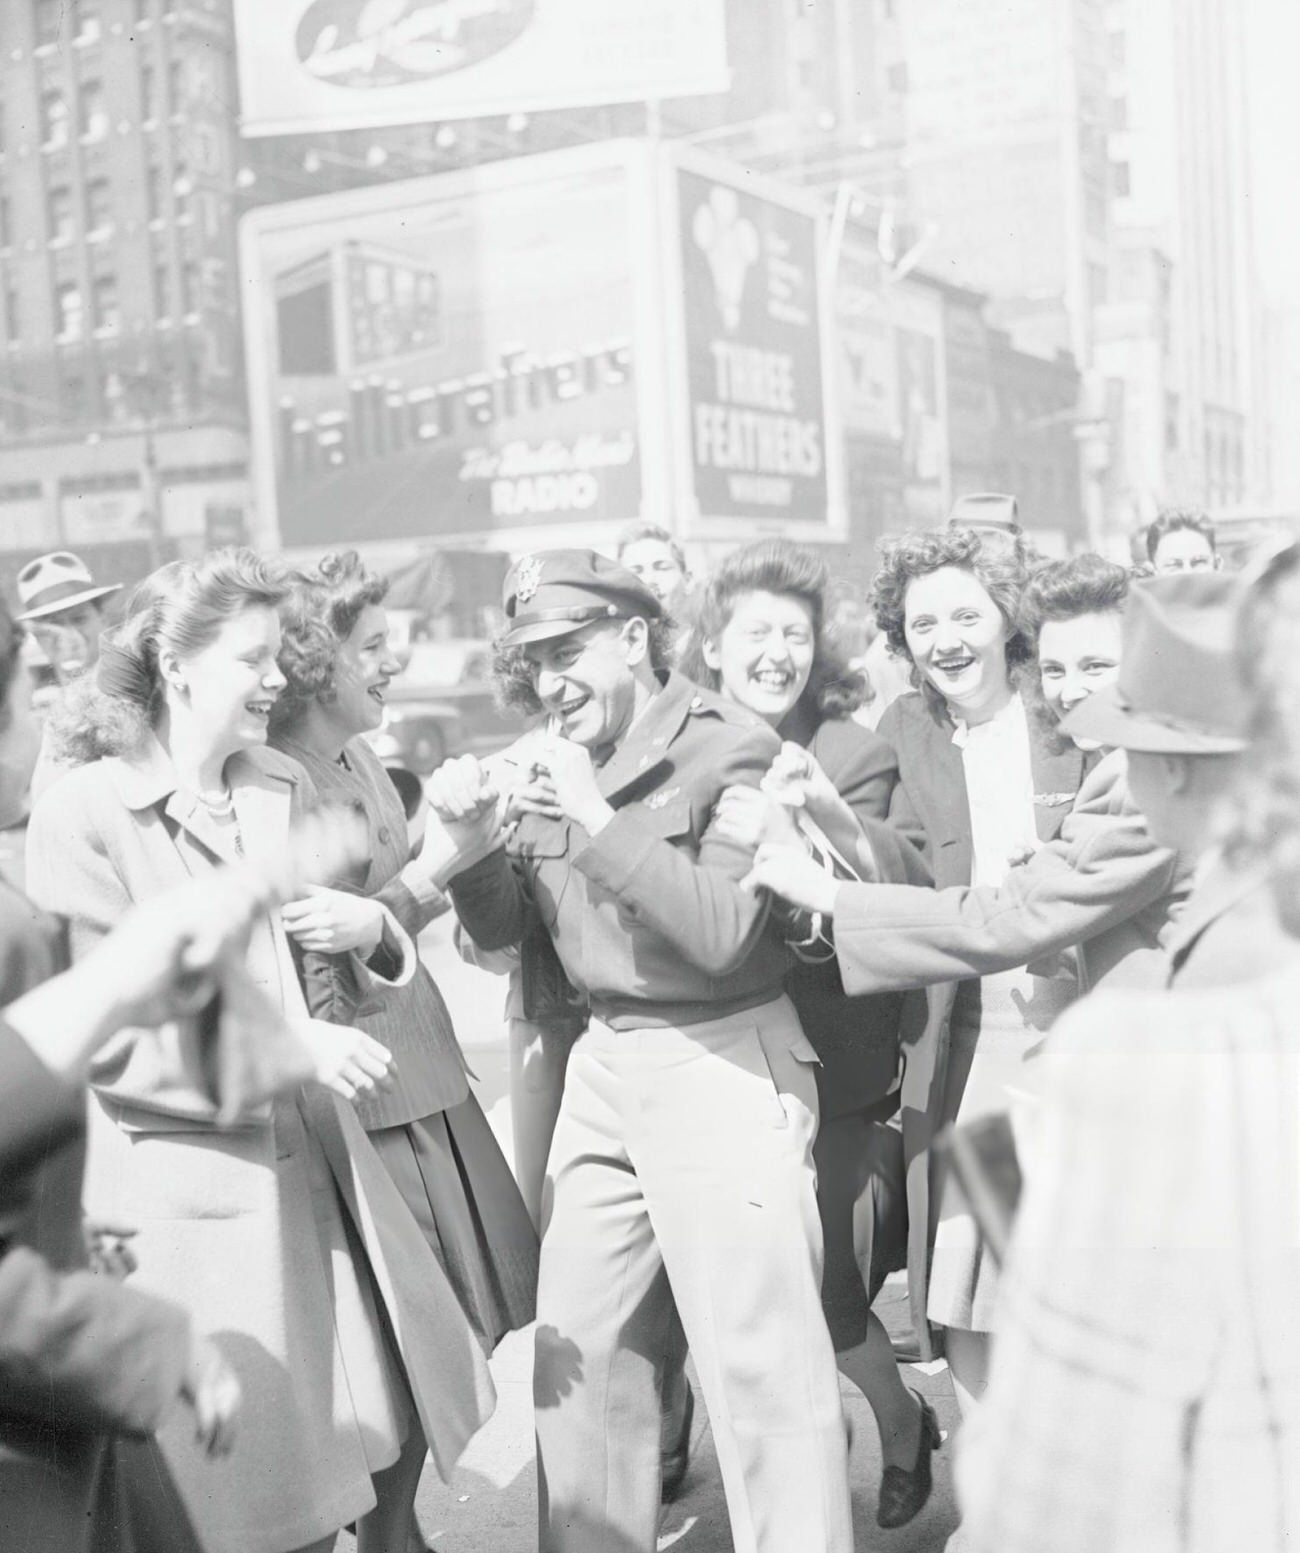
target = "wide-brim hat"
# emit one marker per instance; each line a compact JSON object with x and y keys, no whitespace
{"x":556,"y":592}
{"x":55,"y":582}
{"x":1179,"y":690}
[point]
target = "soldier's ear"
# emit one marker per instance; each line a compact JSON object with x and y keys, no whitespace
{"x":710,"y":653}
{"x":636,"y":640}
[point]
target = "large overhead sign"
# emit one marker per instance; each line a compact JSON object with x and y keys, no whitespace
{"x":433,"y":357}
{"x":308,"y":65}
{"x":754,"y":352}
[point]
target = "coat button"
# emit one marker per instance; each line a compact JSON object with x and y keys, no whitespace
{"x":382,"y":835}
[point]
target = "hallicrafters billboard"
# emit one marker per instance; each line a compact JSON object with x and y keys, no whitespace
{"x":428,"y":358}
{"x":620,"y":331}
{"x":307,"y":65}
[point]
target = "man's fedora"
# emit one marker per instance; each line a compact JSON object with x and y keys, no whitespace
{"x":990,"y":510}
{"x":56,"y":582}
{"x":1179,"y":691}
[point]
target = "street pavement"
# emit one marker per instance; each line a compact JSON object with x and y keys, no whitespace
{"x":491,"y":1502}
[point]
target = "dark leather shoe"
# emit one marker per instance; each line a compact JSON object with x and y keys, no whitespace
{"x":903,"y":1494}
{"x":676,"y":1461}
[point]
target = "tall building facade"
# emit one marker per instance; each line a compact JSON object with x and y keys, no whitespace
{"x":1184,"y":330}
{"x":1007,"y":157}
{"x":121,"y":399}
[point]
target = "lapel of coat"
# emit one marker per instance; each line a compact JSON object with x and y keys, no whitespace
{"x":941,"y":777}
{"x":1057,"y":775}
{"x":646,"y":744}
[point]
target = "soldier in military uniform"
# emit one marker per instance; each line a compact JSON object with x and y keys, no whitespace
{"x":682,"y":1156}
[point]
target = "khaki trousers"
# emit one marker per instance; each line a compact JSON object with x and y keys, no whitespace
{"x":682,"y":1160}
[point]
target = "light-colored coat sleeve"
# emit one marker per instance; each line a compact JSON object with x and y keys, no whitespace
{"x":1101,"y":870}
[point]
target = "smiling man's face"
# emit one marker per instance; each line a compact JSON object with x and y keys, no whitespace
{"x":586,"y":680}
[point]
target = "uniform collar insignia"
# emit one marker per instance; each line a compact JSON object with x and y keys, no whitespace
{"x":663,"y":796}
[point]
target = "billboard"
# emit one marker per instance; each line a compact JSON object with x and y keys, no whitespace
{"x":448,"y":355}
{"x":310,"y":65}
{"x":754,"y":353}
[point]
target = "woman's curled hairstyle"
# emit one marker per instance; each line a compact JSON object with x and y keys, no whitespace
{"x":906,"y":557}
{"x":181,"y":606}
{"x":322,"y":606}
{"x":777,"y":566}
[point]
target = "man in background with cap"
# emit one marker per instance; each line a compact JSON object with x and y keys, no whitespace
{"x":62,"y":606}
{"x":1142,"y":1364}
{"x":63,"y":610}
{"x":682,"y":1155}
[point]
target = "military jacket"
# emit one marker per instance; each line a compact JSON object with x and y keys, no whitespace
{"x":647,"y":917}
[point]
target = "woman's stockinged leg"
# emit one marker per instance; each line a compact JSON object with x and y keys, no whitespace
{"x":387,"y":1528}
{"x":968,"y":1363}
{"x":873,"y":1369}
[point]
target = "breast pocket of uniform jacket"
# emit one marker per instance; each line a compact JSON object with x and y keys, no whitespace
{"x":667,"y":813}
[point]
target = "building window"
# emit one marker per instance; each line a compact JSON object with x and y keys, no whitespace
{"x":6,"y":220}
{"x":86,"y":20}
{"x":154,"y":192}
{"x":148,"y":93}
{"x":54,"y":118}
{"x":107,"y":311}
{"x":1097,"y":288}
{"x":1121,"y":180}
{"x":99,"y":205}
{"x":93,"y":110}
{"x":176,"y":85}
{"x":191,"y":287}
{"x":142,"y":10}
{"x":58,"y":206}
{"x":49,"y":21}
{"x":162,"y":291}
{"x":1119,"y":113}
{"x":11,"y":313}
{"x":70,"y":319}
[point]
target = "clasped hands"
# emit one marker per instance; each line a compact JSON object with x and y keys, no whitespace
{"x":761,"y":819}
{"x":471,"y":811}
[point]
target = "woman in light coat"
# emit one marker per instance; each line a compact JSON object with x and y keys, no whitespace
{"x":283,"y":1236}
{"x":428,"y":1127}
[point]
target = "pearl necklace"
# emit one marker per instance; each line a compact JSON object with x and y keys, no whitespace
{"x":221,"y":806}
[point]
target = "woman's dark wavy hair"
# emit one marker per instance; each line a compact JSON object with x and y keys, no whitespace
{"x":181,"y":606}
{"x":777,"y":566}
{"x":514,"y":684}
{"x":321,"y":609}
{"x":906,"y":557}
{"x":1265,"y":824}
{"x":1063,"y":590}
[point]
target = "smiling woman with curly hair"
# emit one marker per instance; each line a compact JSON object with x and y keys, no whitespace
{"x":980,"y":784}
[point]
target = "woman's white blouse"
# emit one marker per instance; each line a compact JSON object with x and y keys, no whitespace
{"x":998,"y":764}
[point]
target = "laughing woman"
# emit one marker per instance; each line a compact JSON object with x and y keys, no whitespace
{"x":979,"y":787}
{"x":283,"y":1235}
{"x":428,"y":1128}
{"x":761,"y":641}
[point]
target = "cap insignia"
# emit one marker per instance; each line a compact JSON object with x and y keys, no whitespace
{"x":528,"y":574}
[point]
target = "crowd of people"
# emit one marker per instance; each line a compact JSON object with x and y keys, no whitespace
{"x":779,"y":931}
